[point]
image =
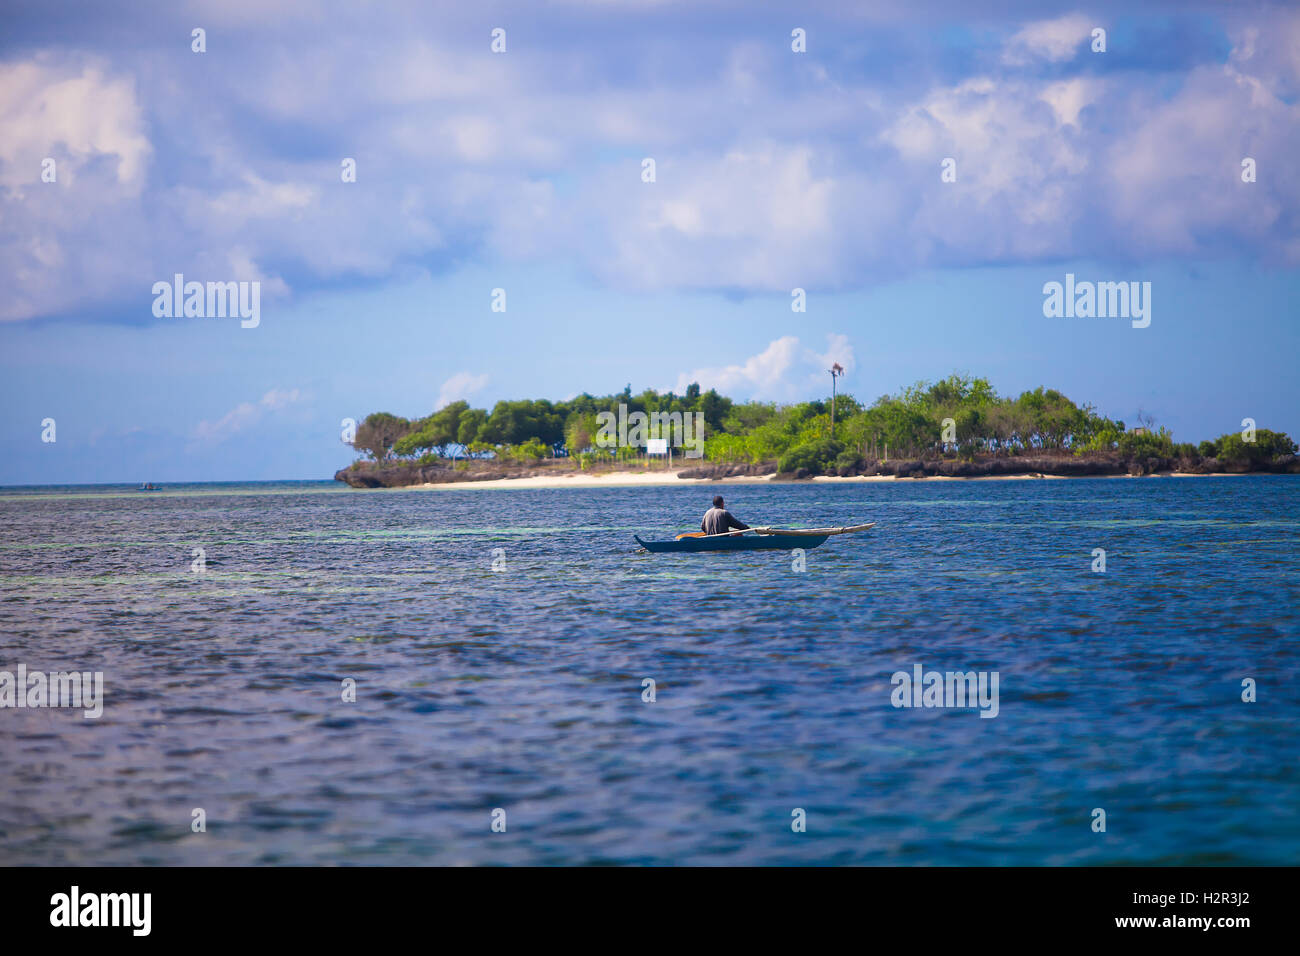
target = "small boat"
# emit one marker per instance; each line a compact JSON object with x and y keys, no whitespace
{"x":149,"y":486}
{"x":754,"y":539}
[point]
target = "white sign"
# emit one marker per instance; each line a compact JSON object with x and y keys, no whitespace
{"x":656,"y":446}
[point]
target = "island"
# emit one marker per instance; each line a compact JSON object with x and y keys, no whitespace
{"x":956,"y":428}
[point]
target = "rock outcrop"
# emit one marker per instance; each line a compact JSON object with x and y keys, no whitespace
{"x":729,"y":471}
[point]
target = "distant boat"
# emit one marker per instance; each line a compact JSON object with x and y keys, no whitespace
{"x":754,"y":539}
{"x":149,"y":486}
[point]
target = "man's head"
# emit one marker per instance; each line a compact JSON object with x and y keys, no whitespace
{"x":717,"y":501}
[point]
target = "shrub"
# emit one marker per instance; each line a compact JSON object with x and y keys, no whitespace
{"x":724,"y":447}
{"x":847,"y":460}
{"x":530,"y":450}
{"x":814,"y":456}
{"x":1147,"y":445}
{"x":1235,"y":450}
{"x":1276,"y":443}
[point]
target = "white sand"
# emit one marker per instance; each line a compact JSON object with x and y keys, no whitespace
{"x":612,"y":479}
{"x":641,"y":479}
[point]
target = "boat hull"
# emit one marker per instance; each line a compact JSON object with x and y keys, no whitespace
{"x":748,"y":542}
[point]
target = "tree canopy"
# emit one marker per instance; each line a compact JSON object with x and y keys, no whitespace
{"x":959,"y":415}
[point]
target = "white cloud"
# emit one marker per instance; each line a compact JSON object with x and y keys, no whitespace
{"x":758,"y":374}
{"x":460,"y":386}
{"x":245,"y":415}
{"x":74,"y":116}
{"x":255,"y":198}
{"x":773,"y":172}
{"x":759,"y":217}
{"x":72,"y":241}
{"x":1051,"y":40}
{"x":838,"y":349}
{"x":1020,"y":171}
{"x":782,"y":370}
{"x":278,"y":398}
{"x":1069,"y":97}
{"x":1218,"y":116}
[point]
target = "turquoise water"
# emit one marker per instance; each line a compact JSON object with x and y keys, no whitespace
{"x":521,"y":688}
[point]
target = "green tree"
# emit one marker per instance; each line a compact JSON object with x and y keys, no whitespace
{"x":580,"y":432}
{"x":725,"y":447}
{"x":714,"y":407}
{"x":470,"y":425}
{"x":1236,"y":452}
{"x":744,"y":418}
{"x":1147,"y":444}
{"x":377,"y":435}
{"x":445,"y":424}
{"x":513,"y":422}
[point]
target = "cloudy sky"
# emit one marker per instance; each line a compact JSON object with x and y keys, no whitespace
{"x":522,"y":170}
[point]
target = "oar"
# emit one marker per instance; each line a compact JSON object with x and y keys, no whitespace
{"x":724,"y":534}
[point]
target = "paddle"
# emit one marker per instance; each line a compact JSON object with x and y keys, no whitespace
{"x":724,"y":534}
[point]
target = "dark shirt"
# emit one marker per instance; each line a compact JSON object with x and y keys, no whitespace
{"x":719,"y":521}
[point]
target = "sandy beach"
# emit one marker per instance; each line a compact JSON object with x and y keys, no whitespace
{"x":613,"y":479}
{"x":660,"y":478}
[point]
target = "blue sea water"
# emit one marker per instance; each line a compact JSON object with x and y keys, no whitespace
{"x":521,"y":689}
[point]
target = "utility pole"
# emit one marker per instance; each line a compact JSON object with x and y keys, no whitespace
{"x":836,"y":371}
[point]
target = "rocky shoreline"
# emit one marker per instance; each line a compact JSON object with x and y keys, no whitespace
{"x":405,"y":475}
{"x":1063,"y":467}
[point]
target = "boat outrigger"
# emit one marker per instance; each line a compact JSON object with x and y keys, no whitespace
{"x":752,"y":539}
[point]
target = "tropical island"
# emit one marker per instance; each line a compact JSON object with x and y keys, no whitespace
{"x":958,"y":427}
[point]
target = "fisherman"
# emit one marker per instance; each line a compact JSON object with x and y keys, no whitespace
{"x":718,"y":520}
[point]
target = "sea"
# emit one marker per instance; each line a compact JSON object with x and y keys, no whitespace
{"x":302,"y":673}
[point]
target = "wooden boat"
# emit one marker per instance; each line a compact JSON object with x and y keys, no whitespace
{"x":755,"y":539}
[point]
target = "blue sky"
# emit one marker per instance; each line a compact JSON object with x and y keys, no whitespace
{"x":523,"y":171}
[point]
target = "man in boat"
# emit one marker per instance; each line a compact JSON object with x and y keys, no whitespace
{"x":718,"y":520}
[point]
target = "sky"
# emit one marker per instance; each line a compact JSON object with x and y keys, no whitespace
{"x":524,"y":169}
